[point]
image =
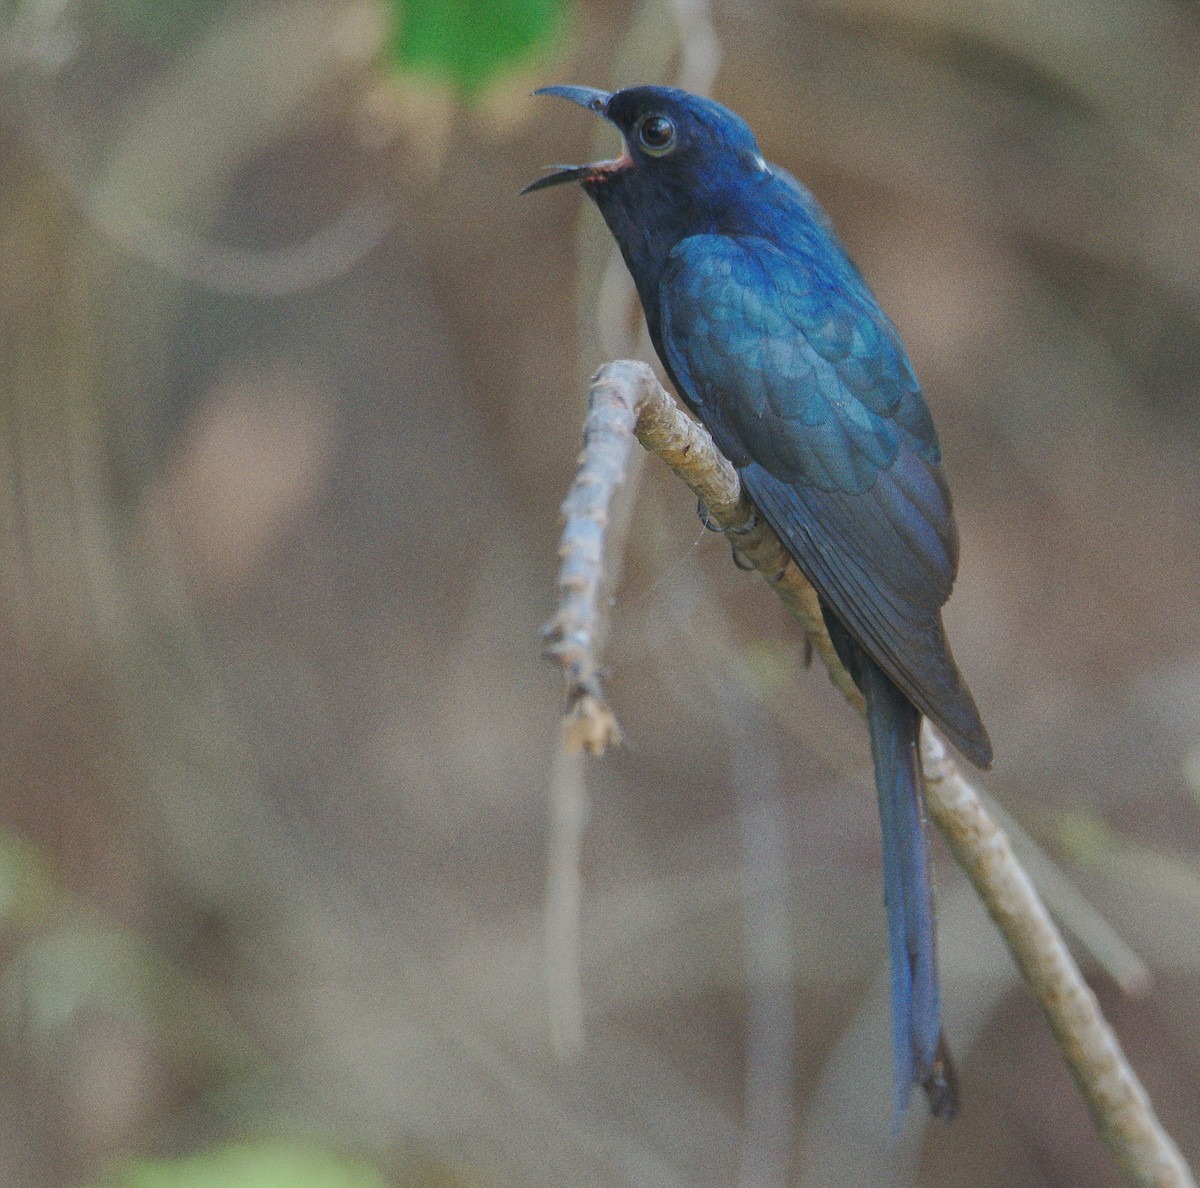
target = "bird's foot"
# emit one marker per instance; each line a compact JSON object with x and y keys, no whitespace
{"x":741,"y":560}
{"x":748,"y":526}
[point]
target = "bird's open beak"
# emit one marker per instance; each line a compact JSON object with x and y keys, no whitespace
{"x":565,"y":173}
{"x":593,"y":100}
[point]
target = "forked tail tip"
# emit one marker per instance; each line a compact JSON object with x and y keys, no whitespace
{"x":940,"y":1083}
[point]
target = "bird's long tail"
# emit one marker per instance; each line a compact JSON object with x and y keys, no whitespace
{"x":920,"y":1052}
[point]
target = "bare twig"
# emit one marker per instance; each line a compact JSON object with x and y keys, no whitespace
{"x":626,"y":399}
{"x":660,"y":30}
{"x":570,"y":635}
{"x":1071,"y":908}
{"x":569,"y":808}
{"x":1115,"y":1096}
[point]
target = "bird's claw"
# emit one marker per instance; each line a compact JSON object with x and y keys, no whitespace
{"x":706,"y":517}
{"x":748,"y":526}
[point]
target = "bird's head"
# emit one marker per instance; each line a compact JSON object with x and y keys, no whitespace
{"x":684,"y":159}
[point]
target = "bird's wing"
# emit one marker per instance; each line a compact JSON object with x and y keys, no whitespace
{"x":805,"y":385}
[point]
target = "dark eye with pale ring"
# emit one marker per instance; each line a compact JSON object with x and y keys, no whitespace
{"x":657,"y":135}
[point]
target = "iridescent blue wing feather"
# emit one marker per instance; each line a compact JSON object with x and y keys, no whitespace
{"x":807,"y":388}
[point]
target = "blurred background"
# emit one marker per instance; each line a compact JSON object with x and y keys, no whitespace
{"x":291,"y":386}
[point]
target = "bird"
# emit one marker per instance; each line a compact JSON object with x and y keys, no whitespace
{"x":775,"y":342}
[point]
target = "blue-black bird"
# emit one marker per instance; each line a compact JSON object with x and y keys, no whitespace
{"x":773,"y":339}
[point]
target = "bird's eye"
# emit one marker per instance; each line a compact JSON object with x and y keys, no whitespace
{"x":657,"y":135}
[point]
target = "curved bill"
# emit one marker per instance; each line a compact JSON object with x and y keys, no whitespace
{"x":593,"y":100}
{"x":588,"y":97}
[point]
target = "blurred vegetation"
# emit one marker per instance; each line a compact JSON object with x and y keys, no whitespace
{"x":166,"y":21}
{"x":472,"y":42}
{"x":249,"y":1166}
{"x":290,"y":387}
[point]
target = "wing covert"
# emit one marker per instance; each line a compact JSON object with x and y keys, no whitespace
{"x":806,"y":387}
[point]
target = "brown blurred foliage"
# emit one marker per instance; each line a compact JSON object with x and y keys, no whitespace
{"x":290,"y":388}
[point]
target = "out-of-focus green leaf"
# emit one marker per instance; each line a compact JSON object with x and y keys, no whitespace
{"x":467,"y":43}
{"x":249,"y":1165}
{"x":83,"y":964}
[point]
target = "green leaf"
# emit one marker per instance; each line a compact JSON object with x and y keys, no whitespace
{"x":468,"y":43}
{"x":249,"y":1165}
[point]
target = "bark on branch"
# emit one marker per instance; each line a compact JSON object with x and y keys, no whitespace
{"x":625,"y":401}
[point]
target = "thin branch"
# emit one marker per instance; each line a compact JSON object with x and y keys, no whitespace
{"x":1116,"y":1098}
{"x":645,"y":52}
{"x":626,"y":400}
{"x":569,"y":810}
{"x":1071,"y":908}
{"x":571,"y":634}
